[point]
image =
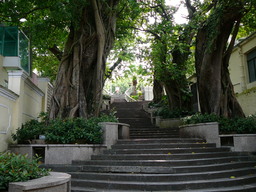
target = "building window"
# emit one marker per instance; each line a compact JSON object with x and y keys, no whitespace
{"x":251,"y":61}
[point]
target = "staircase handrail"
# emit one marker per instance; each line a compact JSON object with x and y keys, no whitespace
{"x":127,"y":96}
{"x":108,"y":92}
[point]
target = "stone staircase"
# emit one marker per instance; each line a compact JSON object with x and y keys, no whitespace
{"x":159,"y":160}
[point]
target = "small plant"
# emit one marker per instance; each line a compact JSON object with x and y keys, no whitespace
{"x":15,"y":168}
{"x":135,"y":97}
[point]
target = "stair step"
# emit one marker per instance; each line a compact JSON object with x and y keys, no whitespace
{"x":172,"y":164}
{"x":163,"y":177}
{"x":162,"y":145}
{"x":162,"y":140}
{"x":155,"y":159}
{"x":169,"y":156}
{"x":166,"y":151}
{"x":86,"y":189}
{"x":152,"y":186}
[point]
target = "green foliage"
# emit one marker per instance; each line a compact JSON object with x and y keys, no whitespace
{"x":46,"y":64}
{"x":162,"y":103}
{"x":107,"y":97}
{"x":238,"y":125}
{"x":136,"y":97}
{"x":226,"y":126}
{"x":64,"y":131}
{"x":201,"y":118}
{"x":15,"y":168}
{"x":165,"y":113}
{"x":28,"y":131}
{"x":73,"y":131}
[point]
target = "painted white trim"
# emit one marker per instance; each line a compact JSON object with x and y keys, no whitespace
{"x":18,"y":73}
{"x":31,"y":85}
{"x":8,"y":94}
{"x":10,"y":118}
{"x":30,"y":116}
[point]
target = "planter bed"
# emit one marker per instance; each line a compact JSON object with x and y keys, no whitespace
{"x":66,"y":153}
{"x":207,"y":131}
{"x":168,"y":123}
{"x":210,"y":132}
{"x":55,"y":182}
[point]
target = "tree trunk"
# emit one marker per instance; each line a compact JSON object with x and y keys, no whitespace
{"x":216,"y":92}
{"x":158,"y":91}
{"x":79,"y":83}
{"x":177,"y":97}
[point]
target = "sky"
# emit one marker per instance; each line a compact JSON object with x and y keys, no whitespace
{"x":180,"y":16}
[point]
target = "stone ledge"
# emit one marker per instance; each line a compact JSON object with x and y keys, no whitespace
{"x":55,"y":182}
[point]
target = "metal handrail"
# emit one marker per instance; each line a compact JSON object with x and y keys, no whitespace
{"x":127,"y":96}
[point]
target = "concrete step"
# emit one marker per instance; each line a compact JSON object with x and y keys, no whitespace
{"x":162,"y":145}
{"x":172,"y":164}
{"x":131,"y":113}
{"x":242,"y":188}
{"x":163,"y":177}
{"x":166,"y":151}
{"x":153,"y":129}
{"x":162,"y":140}
{"x":147,"y":168}
{"x":139,"y":133}
{"x":154,"y":136}
{"x":169,"y":156}
{"x":159,"y":132}
{"x":159,"y":160}
{"x":171,"y":185}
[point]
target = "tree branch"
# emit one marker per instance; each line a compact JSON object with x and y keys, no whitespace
{"x":148,"y":31}
{"x":232,"y":42}
{"x":112,"y":68}
{"x":191,"y":9}
{"x":55,"y":50}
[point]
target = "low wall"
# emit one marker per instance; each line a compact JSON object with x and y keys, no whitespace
{"x":168,"y":123}
{"x":207,"y":131}
{"x":59,"y":153}
{"x":55,"y":182}
{"x":113,"y":131}
{"x":240,"y":142}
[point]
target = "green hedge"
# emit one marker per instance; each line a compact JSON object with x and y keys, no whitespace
{"x":165,"y":113}
{"x":245,"y":125}
{"x":64,"y":131}
{"x":15,"y":168}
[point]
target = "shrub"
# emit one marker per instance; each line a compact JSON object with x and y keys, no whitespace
{"x":64,"y":131}
{"x":28,"y":131}
{"x":165,"y":113}
{"x":238,"y":125}
{"x":226,"y":126}
{"x":201,"y":118}
{"x":15,"y":168}
{"x":163,"y":102}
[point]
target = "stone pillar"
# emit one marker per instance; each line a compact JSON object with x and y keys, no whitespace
{"x":16,"y":83}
